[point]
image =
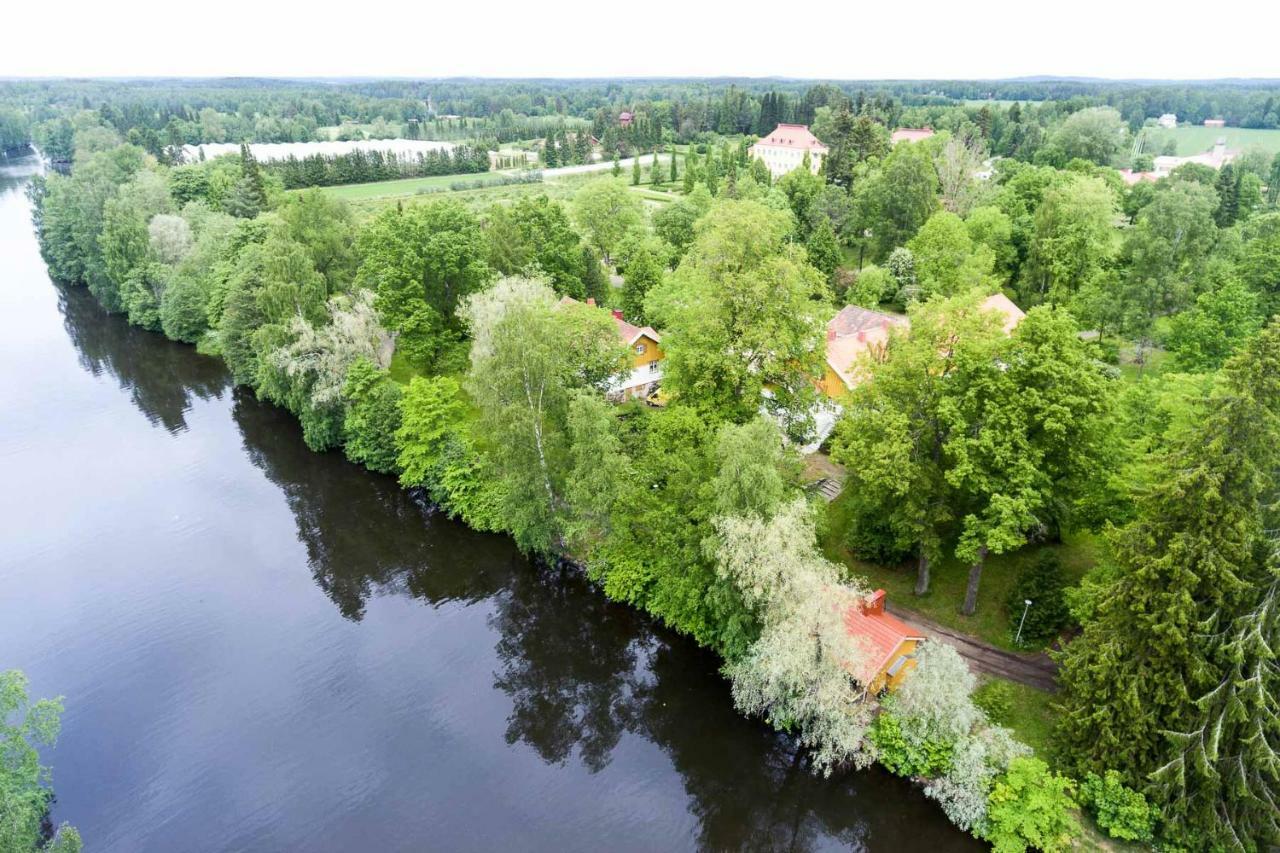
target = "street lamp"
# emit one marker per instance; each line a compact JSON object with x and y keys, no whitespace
{"x":1027,"y":606}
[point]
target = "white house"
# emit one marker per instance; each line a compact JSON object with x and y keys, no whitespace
{"x":1168,"y":120}
{"x":784,"y":149}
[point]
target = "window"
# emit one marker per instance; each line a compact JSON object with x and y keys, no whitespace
{"x":640,"y":349}
{"x":653,"y":367}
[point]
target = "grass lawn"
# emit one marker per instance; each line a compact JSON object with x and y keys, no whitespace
{"x":407,"y":186}
{"x":1197,"y":139}
{"x":1079,"y":552}
{"x":1025,"y":710}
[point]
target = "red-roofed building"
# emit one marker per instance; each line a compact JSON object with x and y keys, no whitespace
{"x":646,"y":356}
{"x":785,"y":147}
{"x":890,"y":642}
{"x":625,"y":119}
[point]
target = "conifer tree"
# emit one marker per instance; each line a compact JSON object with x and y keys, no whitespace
{"x":673,"y":175}
{"x":635,"y":171}
{"x":655,"y":170}
{"x":690,"y":170}
{"x":550,"y":158}
{"x":1174,"y":681}
{"x":617,"y":165}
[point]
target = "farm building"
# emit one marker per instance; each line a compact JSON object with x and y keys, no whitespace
{"x":1168,"y":120}
{"x":1215,"y":122}
{"x":784,"y":149}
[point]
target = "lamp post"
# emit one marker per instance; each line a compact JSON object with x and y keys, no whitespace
{"x":1027,"y":606}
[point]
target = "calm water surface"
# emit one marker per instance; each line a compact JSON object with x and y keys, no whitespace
{"x":264,"y":648}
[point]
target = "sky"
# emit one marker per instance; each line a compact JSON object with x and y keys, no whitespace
{"x":822,"y":39}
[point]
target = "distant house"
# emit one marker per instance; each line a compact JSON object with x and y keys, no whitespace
{"x":625,"y":119}
{"x":642,"y":379}
{"x":891,"y":643}
{"x":856,"y":331}
{"x":1131,"y":177}
{"x":1215,"y":122}
{"x":783,"y":149}
{"x":1168,"y":120}
{"x":910,"y":134}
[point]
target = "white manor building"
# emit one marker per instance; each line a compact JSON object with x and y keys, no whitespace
{"x":784,"y":149}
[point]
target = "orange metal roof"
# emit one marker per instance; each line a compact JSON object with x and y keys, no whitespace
{"x":883,"y":632}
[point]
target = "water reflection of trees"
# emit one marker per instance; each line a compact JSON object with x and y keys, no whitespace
{"x":582,"y":673}
{"x":161,"y":377}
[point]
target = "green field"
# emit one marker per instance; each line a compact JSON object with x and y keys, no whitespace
{"x":408,"y":186}
{"x":1196,"y":140}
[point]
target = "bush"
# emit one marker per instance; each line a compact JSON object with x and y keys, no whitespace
{"x":1120,"y":811}
{"x":1030,"y":808}
{"x":870,"y":538}
{"x":1042,"y":583}
{"x":903,"y":756}
{"x":995,"y":698}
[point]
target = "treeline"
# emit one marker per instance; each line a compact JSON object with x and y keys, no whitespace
{"x":358,"y":167}
{"x":15,"y":131}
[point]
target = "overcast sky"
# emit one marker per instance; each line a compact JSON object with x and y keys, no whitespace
{"x":843,"y":39}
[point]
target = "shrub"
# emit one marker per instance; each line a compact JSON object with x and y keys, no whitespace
{"x":870,"y":538}
{"x":907,"y":757}
{"x":995,"y":698}
{"x":1120,"y":811}
{"x":1042,"y":583}
{"x":1030,"y":807}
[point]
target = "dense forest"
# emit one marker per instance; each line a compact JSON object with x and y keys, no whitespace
{"x":453,"y":346}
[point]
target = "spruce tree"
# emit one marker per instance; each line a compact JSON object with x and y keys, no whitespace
{"x":673,"y":174}
{"x":635,"y":171}
{"x":1228,"y":188}
{"x":617,"y":165}
{"x":550,"y":158}
{"x":1174,"y":680}
{"x":655,"y":170}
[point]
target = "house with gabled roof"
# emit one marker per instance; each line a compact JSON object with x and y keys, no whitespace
{"x":645,"y":343}
{"x":889,"y":642}
{"x":785,"y":147}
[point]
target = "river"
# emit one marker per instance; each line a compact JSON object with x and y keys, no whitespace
{"x":266,"y":649}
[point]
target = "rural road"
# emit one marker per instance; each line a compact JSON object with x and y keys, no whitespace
{"x":1035,"y":669}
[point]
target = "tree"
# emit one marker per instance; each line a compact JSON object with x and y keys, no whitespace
{"x":534,"y":236}
{"x":1185,"y":568}
{"x":895,"y":200}
{"x":743,"y":310}
{"x":675,"y":223}
{"x":644,"y":269}
{"x":1221,"y":321}
{"x":1030,"y":807}
{"x":421,"y":261}
{"x":946,"y":262}
{"x":1227,"y":187}
{"x":991,"y":227}
{"x":373,"y":415}
{"x":616,"y":171}
{"x":1073,"y":240}
{"x":822,"y":249}
{"x":673,"y":175}
{"x":798,"y":672}
{"x":1094,"y":134}
{"x":606,"y":212}
{"x":635,"y":171}
{"x":25,"y":795}
{"x":957,"y":164}
{"x":529,"y":354}
{"x":655,"y":170}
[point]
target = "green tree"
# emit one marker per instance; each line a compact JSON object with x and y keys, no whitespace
{"x":529,"y":354}
{"x":25,"y":795}
{"x":1094,"y":134}
{"x":644,"y":270}
{"x":1073,"y":240}
{"x":741,"y":312}
{"x":946,"y":261}
{"x":421,"y":261}
{"x":635,"y":171}
{"x":1183,"y":572}
{"x":606,"y":212}
{"x":1221,"y":321}
{"x":896,"y":199}
{"x":372,"y":417}
{"x":673,"y":175}
{"x":1030,"y":808}
{"x":616,"y":171}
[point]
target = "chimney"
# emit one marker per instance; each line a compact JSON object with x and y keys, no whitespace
{"x":831,"y":332}
{"x":874,"y":603}
{"x":617,"y":315}
{"x":862,"y":336}
{"x":591,"y":300}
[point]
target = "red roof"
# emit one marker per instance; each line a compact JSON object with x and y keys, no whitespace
{"x":793,"y":136}
{"x":882,"y":632}
{"x":911,"y":134}
{"x":628,"y":332}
